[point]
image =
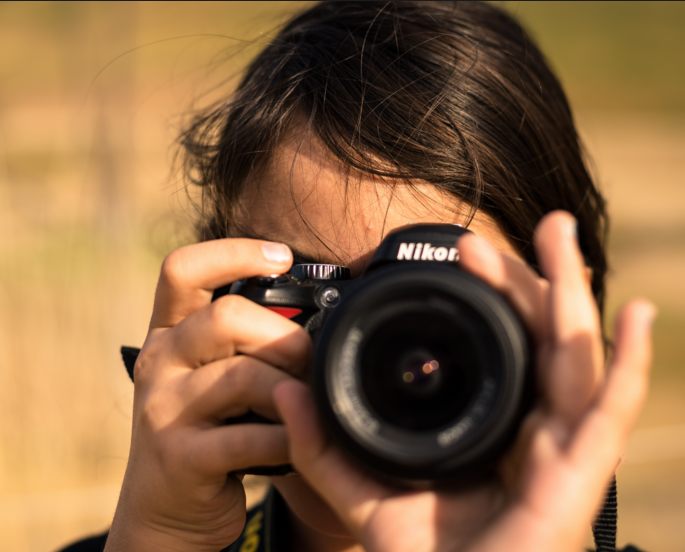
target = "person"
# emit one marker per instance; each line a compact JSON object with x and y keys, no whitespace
{"x":358,"y":118}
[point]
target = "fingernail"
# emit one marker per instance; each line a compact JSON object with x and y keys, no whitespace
{"x":276,"y":252}
{"x":573,"y":229}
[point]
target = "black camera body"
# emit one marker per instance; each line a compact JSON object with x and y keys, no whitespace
{"x":421,"y":372}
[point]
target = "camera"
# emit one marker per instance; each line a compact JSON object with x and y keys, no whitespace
{"x":421,"y":371}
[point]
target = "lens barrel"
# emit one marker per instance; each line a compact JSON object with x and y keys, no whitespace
{"x":422,"y":373}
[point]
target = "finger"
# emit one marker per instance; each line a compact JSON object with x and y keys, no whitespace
{"x":575,"y":337}
{"x":570,"y":481}
{"x":629,"y":368}
{"x":603,"y":435}
{"x":190,"y":274}
{"x":513,"y":462}
{"x":233,"y":324}
{"x":351,"y":493}
{"x":513,"y":279}
{"x":231,"y":387}
{"x":225,"y":449}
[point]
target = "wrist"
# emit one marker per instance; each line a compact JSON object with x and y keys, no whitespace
{"x":131,"y":535}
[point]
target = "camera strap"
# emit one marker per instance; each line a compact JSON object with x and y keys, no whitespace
{"x":129,"y":356}
{"x":604,"y":527}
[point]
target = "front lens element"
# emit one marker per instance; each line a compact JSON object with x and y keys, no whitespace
{"x":421,"y":366}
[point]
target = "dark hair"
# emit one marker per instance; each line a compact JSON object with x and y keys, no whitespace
{"x":453,"y":93}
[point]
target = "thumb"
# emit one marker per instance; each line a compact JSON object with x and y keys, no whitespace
{"x":351,"y":493}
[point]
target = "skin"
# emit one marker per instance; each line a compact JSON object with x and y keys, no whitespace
{"x":204,"y":361}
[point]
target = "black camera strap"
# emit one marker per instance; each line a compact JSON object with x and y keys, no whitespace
{"x":604,"y":528}
{"x":130,"y":355}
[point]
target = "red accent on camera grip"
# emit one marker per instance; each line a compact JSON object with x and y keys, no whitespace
{"x":288,"y":312}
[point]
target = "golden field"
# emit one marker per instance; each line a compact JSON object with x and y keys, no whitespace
{"x":91,"y":100}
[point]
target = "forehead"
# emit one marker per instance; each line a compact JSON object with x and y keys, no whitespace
{"x":308,"y":199}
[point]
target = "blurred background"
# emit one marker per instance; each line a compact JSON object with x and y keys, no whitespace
{"x":92,"y":96}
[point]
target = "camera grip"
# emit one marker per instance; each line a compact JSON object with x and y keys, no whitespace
{"x":130,"y":355}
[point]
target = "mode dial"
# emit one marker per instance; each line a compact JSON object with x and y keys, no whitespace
{"x":320,"y":272}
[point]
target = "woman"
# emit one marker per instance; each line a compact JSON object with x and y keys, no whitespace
{"x":356,"y":119}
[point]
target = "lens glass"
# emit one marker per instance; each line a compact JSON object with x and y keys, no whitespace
{"x":421,"y":365}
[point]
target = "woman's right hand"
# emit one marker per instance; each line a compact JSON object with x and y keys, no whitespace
{"x":203,"y":362}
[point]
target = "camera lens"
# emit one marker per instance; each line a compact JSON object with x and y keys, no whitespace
{"x":419,"y":370}
{"x":419,"y":365}
{"x":421,"y":373}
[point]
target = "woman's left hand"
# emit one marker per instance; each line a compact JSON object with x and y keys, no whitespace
{"x":551,"y":484}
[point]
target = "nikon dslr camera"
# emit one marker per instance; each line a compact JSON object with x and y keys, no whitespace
{"x":421,"y":371}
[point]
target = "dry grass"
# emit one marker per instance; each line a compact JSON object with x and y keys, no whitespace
{"x":87,"y":211}
{"x":641,"y":161}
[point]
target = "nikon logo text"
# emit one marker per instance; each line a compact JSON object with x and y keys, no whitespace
{"x":426,"y":252}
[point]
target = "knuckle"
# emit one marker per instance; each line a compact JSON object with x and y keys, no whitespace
{"x":225,"y":310}
{"x":301,"y":342}
{"x":148,"y":359}
{"x":174,"y":268}
{"x":154,"y":411}
{"x":238,"y":377}
{"x":246,"y":374}
{"x":143,"y":367}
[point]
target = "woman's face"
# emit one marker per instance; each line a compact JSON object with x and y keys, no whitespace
{"x":306,"y":200}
